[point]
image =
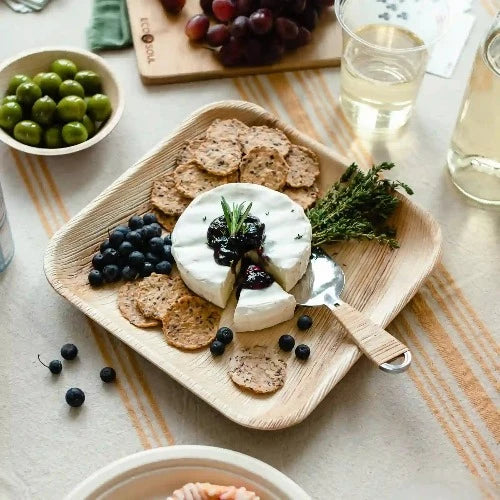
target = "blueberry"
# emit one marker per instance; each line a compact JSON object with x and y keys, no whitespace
{"x":147,"y":270}
{"x":168,"y":239}
{"x":129,"y":273}
{"x":125,"y":249}
{"x":302,"y":351}
{"x":224,"y":335}
{"x":107,"y":374}
{"x":135,"y":238}
{"x":304,"y":322}
{"x":104,"y":246}
{"x":135,"y":222}
{"x":136,"y":259}
{"x":286,"y":343}
{"x":98,"y":261}
{"x":148,"y":232}
{"x":149,"y":218}
{"x":69,"y":351}
{"x":156,"y":245}
{"x":116,"y":238}
{"x":122,"y":229}
{"x":217,"y":348}
{"x":111,"y":273}
{"x":95,"y":278}
{"x":167,"y":253}
{"x":75,"y":397}
{"x":157,"y":228}
{"x":55,"y":366}
{"x":151,"y":257}
{"x":109,"y":256}
{"x":163,"y":267}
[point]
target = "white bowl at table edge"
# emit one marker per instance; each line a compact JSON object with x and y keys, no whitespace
{"x":32,"y":62}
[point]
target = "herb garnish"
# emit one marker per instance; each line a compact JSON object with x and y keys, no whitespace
{"x":357,"y":207}
{"x":235,"y":217}
{"x":298,"y":237}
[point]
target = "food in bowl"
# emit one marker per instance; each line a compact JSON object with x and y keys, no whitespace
{"x":55,"y":109}
{"x":207,"y":491}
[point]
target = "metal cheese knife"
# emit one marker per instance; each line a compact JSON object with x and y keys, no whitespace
{"x":322,"y":284}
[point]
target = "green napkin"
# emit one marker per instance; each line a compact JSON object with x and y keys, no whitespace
{"x":109,"y":27}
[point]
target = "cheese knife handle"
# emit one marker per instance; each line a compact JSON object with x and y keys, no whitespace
{"x":375,"y":342}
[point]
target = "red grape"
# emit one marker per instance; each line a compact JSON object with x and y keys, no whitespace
{"x":240,"y":27}
{"x":304,"y":37}
{"x":231,"y":54}
{"x":309,"y":18}
{"x":254,"y":52}
{"x":298,"y":6}
{"x":173,"y":6}
{"x":261,"y":21}
{"x":224,"y":10}
{"x":196,"y":28}
{"x":286,"y":28}
{"x":218,"y":35}
{"x":206,"y":7}
{"x":245,"y":7}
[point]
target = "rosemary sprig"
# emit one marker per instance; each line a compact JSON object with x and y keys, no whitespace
{"x":235,"y":216}
{"x":357,"y":207}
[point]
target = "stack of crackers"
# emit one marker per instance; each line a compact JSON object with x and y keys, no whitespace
{"x":231,"y":151}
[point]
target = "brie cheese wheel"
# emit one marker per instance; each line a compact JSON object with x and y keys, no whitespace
{"x":287,"y":244}
{"x":259,"y":309}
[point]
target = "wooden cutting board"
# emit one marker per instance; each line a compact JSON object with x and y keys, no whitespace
{"x":164,"y":54}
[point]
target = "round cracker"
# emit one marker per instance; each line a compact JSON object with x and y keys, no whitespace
{"x":188,"y":149}
{"x":166,"y":221}
{"x":264,"y":166}
{"x":156,"y":293}
{"x":191,"y":180}
{"x":128,"y":306}
{"x":265,"y":136}
{"x":219,"y":156}
{"x":226,"y":129}
{"x":191,"y":323}
{"x":165,"y":197}
{"x":260,"y":369}
{"x":304,"y":196}
{"x":304,"y":167}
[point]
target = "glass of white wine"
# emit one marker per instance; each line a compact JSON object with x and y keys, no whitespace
{"x":474,"y":154}
{"x":386,"y":46}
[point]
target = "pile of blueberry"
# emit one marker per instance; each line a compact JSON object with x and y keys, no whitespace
{"x":287,"y":342}
{"x":133,"y":251}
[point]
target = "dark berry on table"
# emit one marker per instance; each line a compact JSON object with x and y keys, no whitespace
{"x":167,"y":253}
{"x":135,"y":222}
{"x":224,"y":335}
{"x":108,"y":374}
{"x":96,"y":278}
{"x":167,"y":239}
{"x":157,"y":228}
{"x":304,"y":322}
{"x":129,"y":273}
{"x":55,"y":366}
{"x":122,"y":229}
{"x":69,"y":351}
{"x":206,"y":7}
{"x":286,"y":343}
{"x":155,"y":245}
{"x":217,"y":35}
{"x":75,"y":397}
{"x":163,"y":267}
{"x":217,"y":348}
{"x":135,"y":238}
{"x":136,"y":259}
{"x":149,"y":218}
{"x":111,"y":273}
{"x":98,"y":261}
{"x":109,"y":256}
{"x":261,"y":21}
{"x":148,"y":232}
{"x":125,"y":249}
{"x":147,"y":270}
{"x":152,"y":258}
{"x":302,"y":351}
{"x":224,"y":10}
{"x":240,"y":27}
{"x":116,"y":238}
{"x":196,"y":27}
{"x":104,"y":245}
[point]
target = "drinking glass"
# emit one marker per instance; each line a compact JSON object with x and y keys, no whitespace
{"x":6,"y":244}
{"x":386,"y":47}
{"x":474,"y":154}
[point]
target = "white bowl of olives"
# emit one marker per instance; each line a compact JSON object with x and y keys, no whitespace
{"x":55,"y":101}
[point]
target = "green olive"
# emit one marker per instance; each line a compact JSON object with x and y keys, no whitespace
{"x":15,"y":81}
{"x":27,"y":93}
{"x":52,"y":137}
{"x":90,"y":81}
{"x":74,"y":133}
{"x":10,"y":114}
{"x":89,"y":125}
{"x":43,"y":110}
{"x":28,"y":132}
{"x":99,"y":107}
{"x":9,"y":98}
{"x":71,"y":87}
{"x":65,"y":68}
{"x":71,"y":108}
{"x":49,"y":83}
{"x":38,"y":78}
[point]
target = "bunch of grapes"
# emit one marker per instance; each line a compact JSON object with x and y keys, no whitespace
{"x":255,"y":32}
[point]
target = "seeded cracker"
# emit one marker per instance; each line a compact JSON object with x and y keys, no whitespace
{"x":264,"y":166}
{"x":156,"y":293}
{"x":188,"y":149}
{"x":128,"y":306}
{"x":219,"y":156}
{"x":166,"y":221}
{"x":226,"y":129}
{"x":191,"y":180}
{"x":304,"y":167}
{"x":165,"y":197}
{"x":304,"y":196}
{"x":258,"y":368}
{"x":191,"y":323}
{"x":265,"y":136}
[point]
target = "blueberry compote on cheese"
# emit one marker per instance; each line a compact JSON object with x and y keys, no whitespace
{"x":252,"y":276}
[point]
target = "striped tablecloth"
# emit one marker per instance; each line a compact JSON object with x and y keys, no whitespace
{"x":432,"y":432}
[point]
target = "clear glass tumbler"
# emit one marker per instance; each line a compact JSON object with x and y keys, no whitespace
{"x":474,"y":154}
{"x":6,"y":243}
{"x":386,"y":47}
